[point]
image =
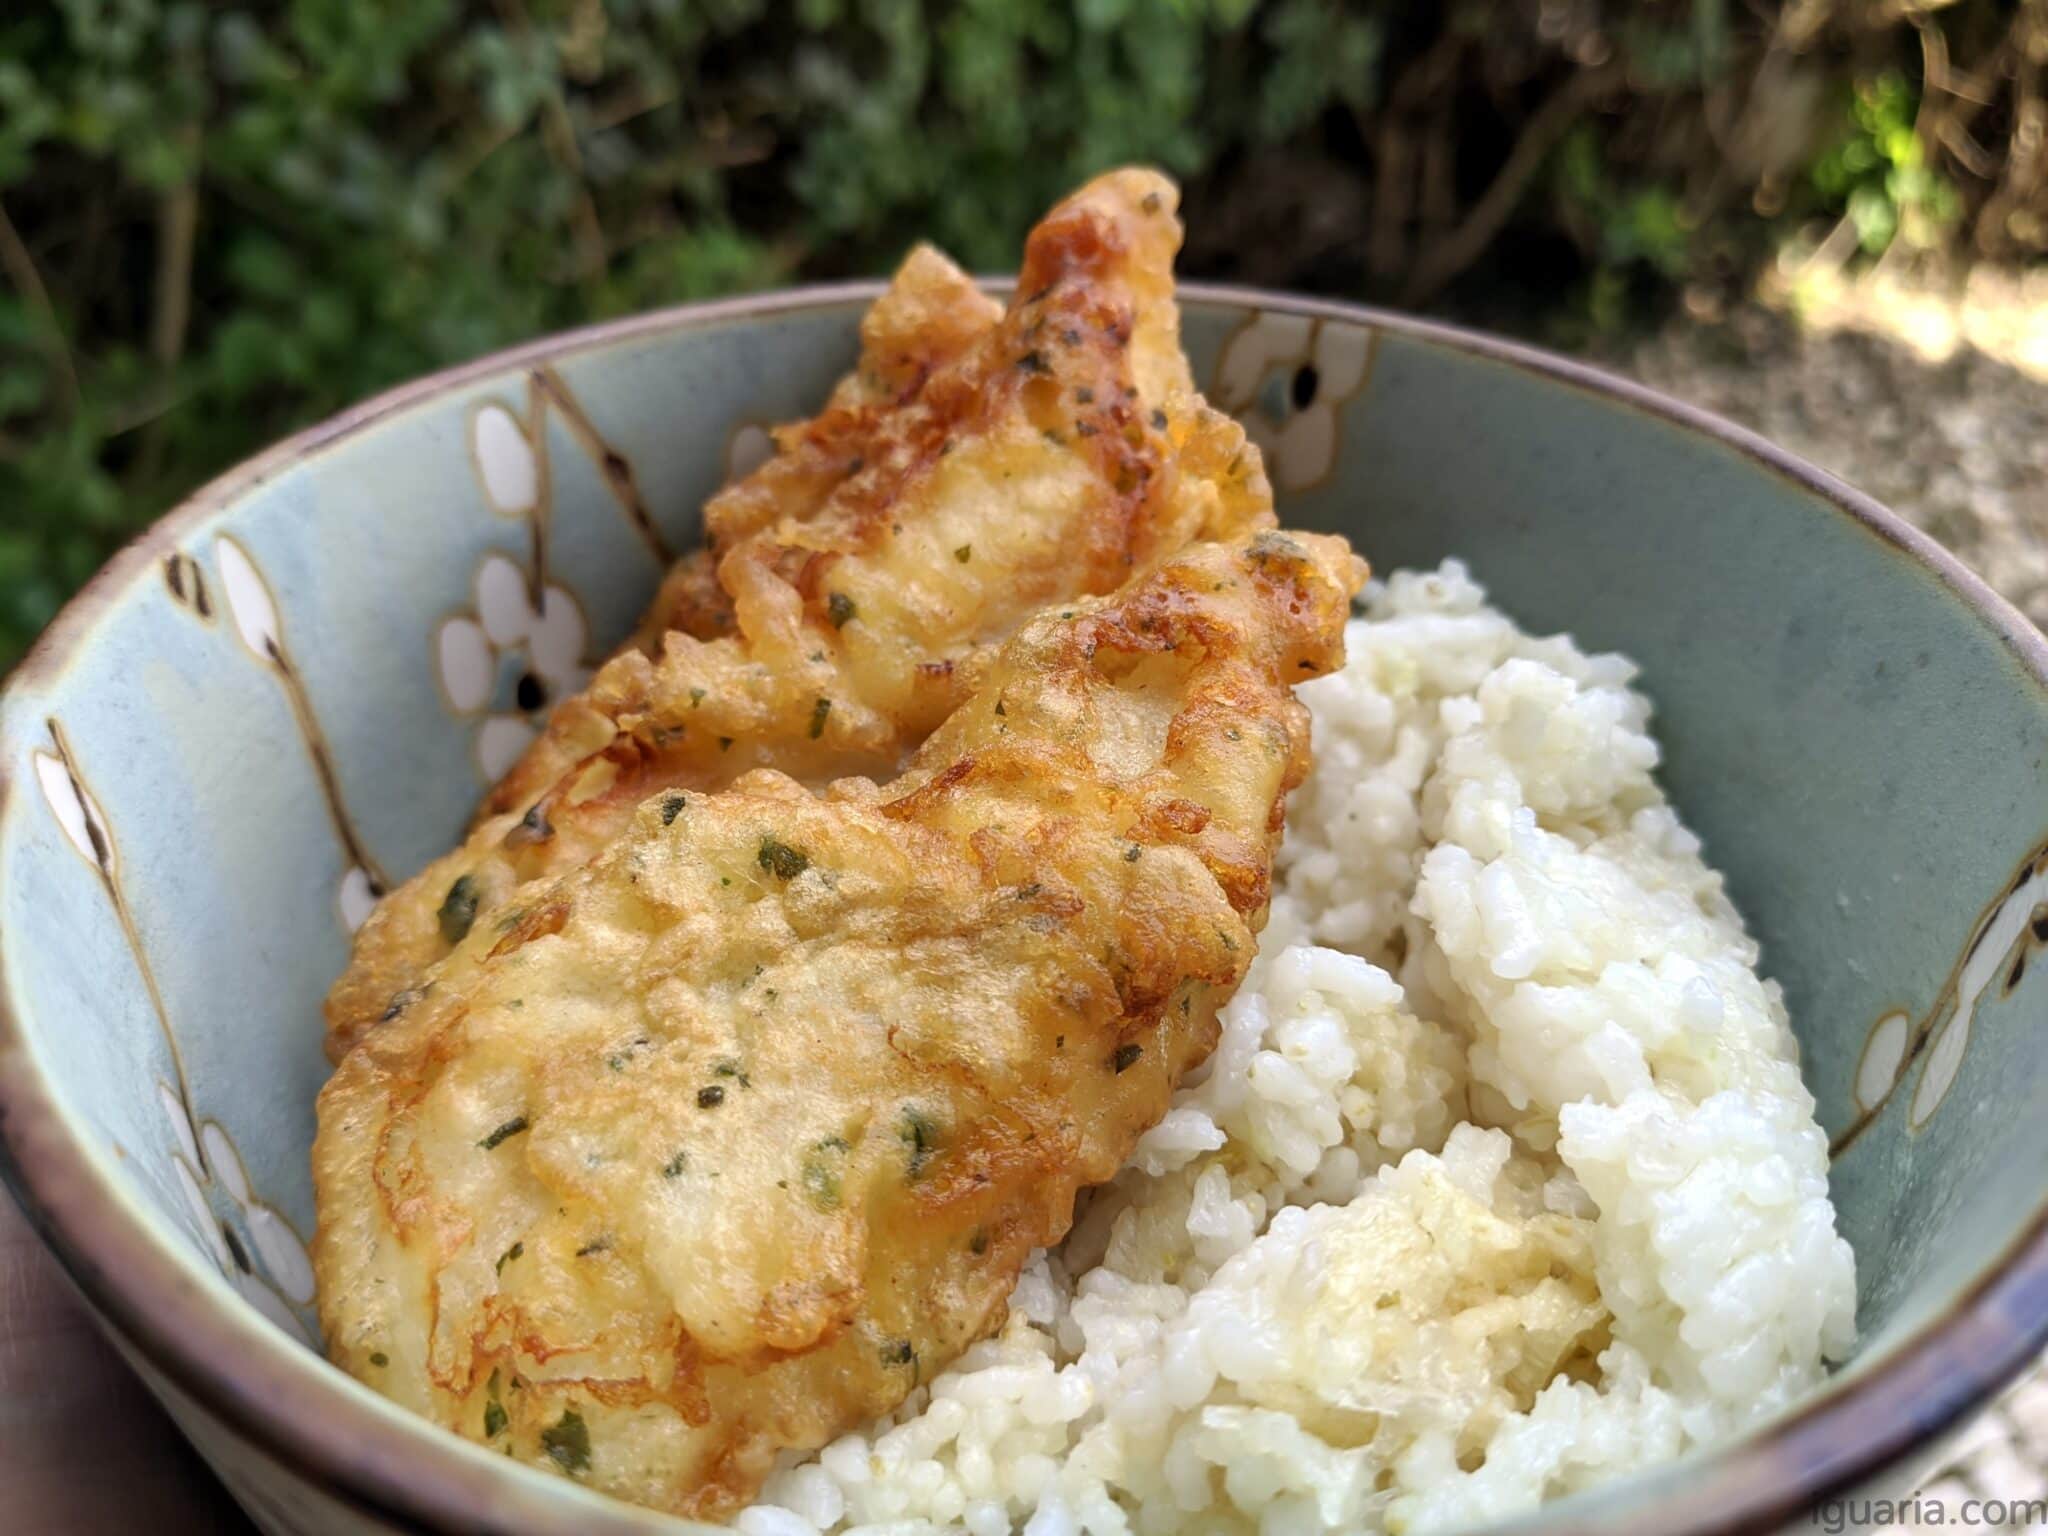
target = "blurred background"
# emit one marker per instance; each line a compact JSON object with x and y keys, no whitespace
{"x":218,"y":221}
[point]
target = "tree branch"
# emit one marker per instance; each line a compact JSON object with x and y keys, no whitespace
{"x":1393,"y":178}
{"x":21,"y":271}
{"x":1394,"y":161}
{"x":2024,"y":164}
{"x":170,"y":315}
{"x":177,"y":226}
{"x":558,"y":137}
{"x":1451,"y":255}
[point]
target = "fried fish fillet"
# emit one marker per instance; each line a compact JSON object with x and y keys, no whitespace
{"x":717,"y":1146}
{"x":930,"y":314}
{"x":972,"y":469}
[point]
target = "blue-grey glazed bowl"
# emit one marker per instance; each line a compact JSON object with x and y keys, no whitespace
{"x":290,"y":691}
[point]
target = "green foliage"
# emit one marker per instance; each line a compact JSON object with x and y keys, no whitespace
{"x":223,"y":220}
{"x":1637,"y":221}
{"x":1879,"y":173}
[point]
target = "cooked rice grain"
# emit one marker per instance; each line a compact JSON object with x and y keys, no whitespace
{"x":1501,"y":1182}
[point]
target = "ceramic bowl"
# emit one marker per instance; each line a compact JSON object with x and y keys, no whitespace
{"x":288,"y":694}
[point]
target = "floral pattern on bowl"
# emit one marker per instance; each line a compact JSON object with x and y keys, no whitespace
{"x":505,"y":659}
{"x":1287,"y":377}
{"x":280,"y":1277}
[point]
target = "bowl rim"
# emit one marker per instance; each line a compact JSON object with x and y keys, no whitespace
{"x":290,"y":1406}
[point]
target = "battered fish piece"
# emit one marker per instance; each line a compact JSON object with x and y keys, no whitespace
{"x":965,"y":475}
{"x":929,"y":315}
{"x":719,"y":1145}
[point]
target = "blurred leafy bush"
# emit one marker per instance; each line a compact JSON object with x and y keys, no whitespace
{"x":220,"y":220}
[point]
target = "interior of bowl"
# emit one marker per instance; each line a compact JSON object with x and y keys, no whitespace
{"x":291,"y":694}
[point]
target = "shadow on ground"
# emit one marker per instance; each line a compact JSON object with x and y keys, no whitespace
{"x":1958,"y":446}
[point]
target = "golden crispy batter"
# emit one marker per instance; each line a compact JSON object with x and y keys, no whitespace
{"x":965,"y":474}
{"x":689,"y":601}
{"x":929,"y":315}
{"x":718,"y":1145}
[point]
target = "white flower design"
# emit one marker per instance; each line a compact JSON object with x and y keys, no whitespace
{"x":249,"y":601}
{"x":1285,"y":377}
{"x":747,"y":448}
{"x":505,"y":460}
{"x":257,"y":622}
{"x":1995,"y":962}
{"x":76,"y":812}
{"x":358,"y":894}
{"x":279,"y":1276}
{"x":506,"y":661}
{"x":1997,"y":956}
{"x":270,"y":1268}
{"x":1883,"y":1059}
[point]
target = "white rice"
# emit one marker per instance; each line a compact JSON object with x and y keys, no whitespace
{"x":1502,"y":1181}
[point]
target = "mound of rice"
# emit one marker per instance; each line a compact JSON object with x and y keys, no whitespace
{"x":1502,"y":1181}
